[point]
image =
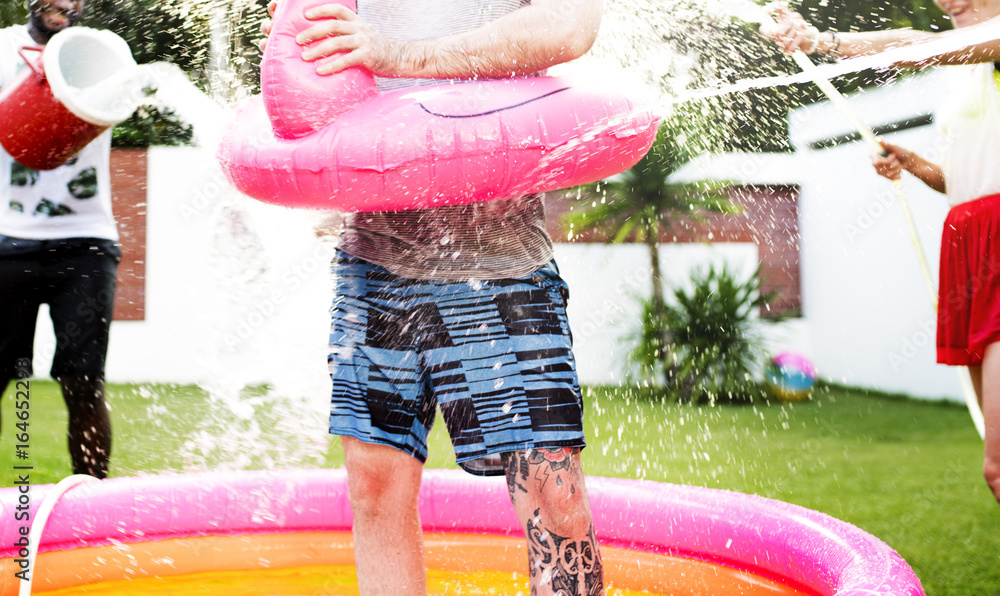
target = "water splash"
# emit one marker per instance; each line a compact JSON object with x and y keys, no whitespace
{"x":264,"y":392}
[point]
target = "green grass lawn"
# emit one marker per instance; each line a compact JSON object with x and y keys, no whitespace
{"x":906,"y":471}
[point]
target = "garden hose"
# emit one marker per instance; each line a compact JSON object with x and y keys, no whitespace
{"x":41,"y":518}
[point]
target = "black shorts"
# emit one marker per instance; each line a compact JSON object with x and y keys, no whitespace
{"x":76,"y":278}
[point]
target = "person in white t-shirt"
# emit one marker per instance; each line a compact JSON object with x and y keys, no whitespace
{"x":58,"y":246}
{"x":968,"y":331}
{"x":413,"y":285}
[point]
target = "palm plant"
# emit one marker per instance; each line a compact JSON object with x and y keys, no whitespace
{"x":642,"y":204}
{"x":714,"y":350}
{"x":700,"y":344}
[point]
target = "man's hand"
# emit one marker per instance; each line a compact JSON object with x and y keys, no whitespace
{"x":341,"y":39}
{"x":524,"y":41}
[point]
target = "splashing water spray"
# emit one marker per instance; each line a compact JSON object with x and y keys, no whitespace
{"x":752,"y":13}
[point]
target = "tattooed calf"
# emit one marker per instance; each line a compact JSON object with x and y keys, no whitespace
{"x":571,"y":567}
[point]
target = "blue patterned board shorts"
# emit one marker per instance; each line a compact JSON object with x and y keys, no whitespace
{"x":496,"y":355}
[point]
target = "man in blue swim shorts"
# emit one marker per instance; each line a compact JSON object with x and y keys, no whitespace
{"x":460,"y":307}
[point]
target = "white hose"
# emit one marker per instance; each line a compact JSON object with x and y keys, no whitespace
{"x":41,"y":517}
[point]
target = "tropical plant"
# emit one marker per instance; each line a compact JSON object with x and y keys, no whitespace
{"x":705,"y":342}
{"x":643,"y":205}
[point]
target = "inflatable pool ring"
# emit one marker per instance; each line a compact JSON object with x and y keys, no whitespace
{"x":790,"y":376}
{"x":281,"y":526}
{"x":334,"y":142}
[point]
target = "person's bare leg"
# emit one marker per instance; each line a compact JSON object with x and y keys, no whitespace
{"x":550,"y":498}
{"x":989,"y":393}
{"x":388,"y":543}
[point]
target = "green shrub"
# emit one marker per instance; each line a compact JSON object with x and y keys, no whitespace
{"x":704,"y":344}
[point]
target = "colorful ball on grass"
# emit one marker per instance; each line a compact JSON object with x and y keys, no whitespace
{"x":790,"y":377}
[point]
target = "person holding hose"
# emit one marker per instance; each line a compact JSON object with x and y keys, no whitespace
{"x":968,"y":329}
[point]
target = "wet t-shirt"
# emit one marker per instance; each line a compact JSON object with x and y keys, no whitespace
{"x":491,"y":240}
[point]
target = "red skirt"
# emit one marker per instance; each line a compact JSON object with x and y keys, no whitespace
{"x":969,"y":288}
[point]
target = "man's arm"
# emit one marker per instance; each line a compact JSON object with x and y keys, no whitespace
{"x":525,"y":41}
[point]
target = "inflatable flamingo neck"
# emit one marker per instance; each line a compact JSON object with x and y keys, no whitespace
{"x":298,"y":100}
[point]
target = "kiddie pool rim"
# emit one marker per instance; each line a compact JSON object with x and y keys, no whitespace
{"x":809,"y":548}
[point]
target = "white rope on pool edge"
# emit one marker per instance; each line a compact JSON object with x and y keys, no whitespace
{"x":41,"y":517}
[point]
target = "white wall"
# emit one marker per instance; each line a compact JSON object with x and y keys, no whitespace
{"x":237,"y":291}
{"x":605,"y":284}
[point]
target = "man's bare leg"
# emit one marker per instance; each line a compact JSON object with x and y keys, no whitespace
{"x":548,"y":492}
{"x":384,"y":484}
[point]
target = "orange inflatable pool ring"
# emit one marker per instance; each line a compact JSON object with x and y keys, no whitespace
{"x":655,"y":538}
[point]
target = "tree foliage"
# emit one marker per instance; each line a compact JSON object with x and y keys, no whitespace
{"x":760,"y":120}
{"x":180,"y":32}
{"x":703,"y":342}
{"x":176,"y":31}
{"x":12,"y":12}
{"x":714,"y":49}
{"x":151,"y":126}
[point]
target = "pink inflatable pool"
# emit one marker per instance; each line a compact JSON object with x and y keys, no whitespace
{"x":658,"y":538}
{"x":335,"y":143}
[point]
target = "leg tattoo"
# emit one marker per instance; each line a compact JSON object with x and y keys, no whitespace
{"x":541,"y":482}
{"x":546,"y":462}
{"x":571,"y":567}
